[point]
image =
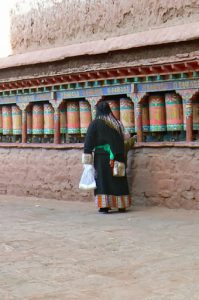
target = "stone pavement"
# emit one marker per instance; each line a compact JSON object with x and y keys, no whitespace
{"x":67,"y":251}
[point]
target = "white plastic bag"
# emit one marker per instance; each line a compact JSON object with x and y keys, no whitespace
{"x":87,"y":181}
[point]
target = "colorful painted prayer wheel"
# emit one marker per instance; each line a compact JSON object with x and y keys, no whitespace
{"x":85,"y":116}
{"x":145,"y":117}
{"x":37,"y":119}
{"x":115,"y":108}
{"x":157,"y":113}
{"x":16,"y":120}
{"x":1,"y":122}
{"x":196,"y":114}
{"x":7,"y":119}
{"x":48,"y":119}
{"x":63,"y":119}
{"x":29,"y":121}
{"x":127,"y":114}
{"x":174,"y":112}
{"x":73,"y":119}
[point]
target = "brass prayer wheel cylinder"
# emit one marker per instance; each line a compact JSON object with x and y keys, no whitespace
{"x":38,"y":119}
{"x":48,"y":119}
{"x":127,"y":114}
{"x":157,"y":114}
{"x":115,"y":108}
{"x":85,"y":116}
{"x":7,"y":119}
{"x":73,"y":118}
{"x":16,"y":120}
{"x":174,"y":112}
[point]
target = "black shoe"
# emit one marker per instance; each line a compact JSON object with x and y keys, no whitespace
{"x":122,"y":210}
{"x":103,"y":210}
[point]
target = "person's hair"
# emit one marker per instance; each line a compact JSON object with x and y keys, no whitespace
{"x":104,"y":112}
{"x":103,"y":109}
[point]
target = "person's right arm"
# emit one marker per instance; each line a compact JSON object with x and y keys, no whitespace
{"x":90,"y":139}
{"x":89,"y":144}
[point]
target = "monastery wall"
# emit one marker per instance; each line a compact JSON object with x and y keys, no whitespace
{"x":159,"y":176}
{"x":165,"y":176}
{"x":37,"y":24}
{"x":41,"y":173}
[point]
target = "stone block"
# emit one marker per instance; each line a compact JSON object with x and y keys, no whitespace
{"x":189,"y":195}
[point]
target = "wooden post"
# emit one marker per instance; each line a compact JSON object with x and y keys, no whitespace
{"x":23,"y":107}
{"x":56,"y":105}
{"x":24,"y":126}
{"x":137,"y":100}
{"x":189,"y":120}
{"x":138,"y":116}
{"x":57,"y":135}
{"x":93,"y":101}
{"x":187,"y":99}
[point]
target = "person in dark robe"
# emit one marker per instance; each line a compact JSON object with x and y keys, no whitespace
{"x":105,"y":139}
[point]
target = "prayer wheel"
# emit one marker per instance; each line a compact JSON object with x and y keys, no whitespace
{"x":73,"y":119}
{"x":196,"y":114}
{"x":115,"y":108}
{"x":63,"y":119}
{"x":127,"y":114}
{"x":48,"y":119}
{"x":29,"y":121}
{"x":1,"y":123}
{"x":85,"y":116}
{"x":145,"y":117}
{"x":174,"y":112}
{"x":16,"y":120}
{"x":37,"y":119}
{"x":157,"y":114}
{"x":7,"y":119}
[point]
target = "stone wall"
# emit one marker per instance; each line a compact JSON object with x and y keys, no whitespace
{"x":47,"y":23}
{"x":165,"y":176}
{"x":41,"y":173}
{"x":157,"y":176}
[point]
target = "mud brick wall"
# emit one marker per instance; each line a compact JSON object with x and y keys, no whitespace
{"x":165,"y":176}
{"x":42,"y":173}
{"x":157,"y":176}
{"x":39,"y":24}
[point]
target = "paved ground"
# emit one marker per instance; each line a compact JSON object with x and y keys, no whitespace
{"x":63,"y":250}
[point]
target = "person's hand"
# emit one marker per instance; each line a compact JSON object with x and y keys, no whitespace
{"x":131,"y":142}
{"x":135,"y":138}
{"x":87,"y":159}
{"x":127,"y":136}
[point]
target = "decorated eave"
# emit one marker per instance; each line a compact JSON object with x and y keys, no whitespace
{"x":169,"y":70}
{"x":135,"y":74}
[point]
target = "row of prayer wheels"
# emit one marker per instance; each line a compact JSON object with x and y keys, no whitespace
{"x":40,"y":120}
{"x":76,"y":116}
{"x":74,"y":119}
{"x":167,"y":113}
{"x":10,"y":120}
{"x":159,"y":113}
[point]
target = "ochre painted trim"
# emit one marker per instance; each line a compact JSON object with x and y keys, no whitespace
{"x":80,"y":146}
{"x":167,"y":145}
{"x":43,"y":146}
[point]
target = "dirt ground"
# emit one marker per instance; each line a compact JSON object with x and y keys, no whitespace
{"x":66,"y":250}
